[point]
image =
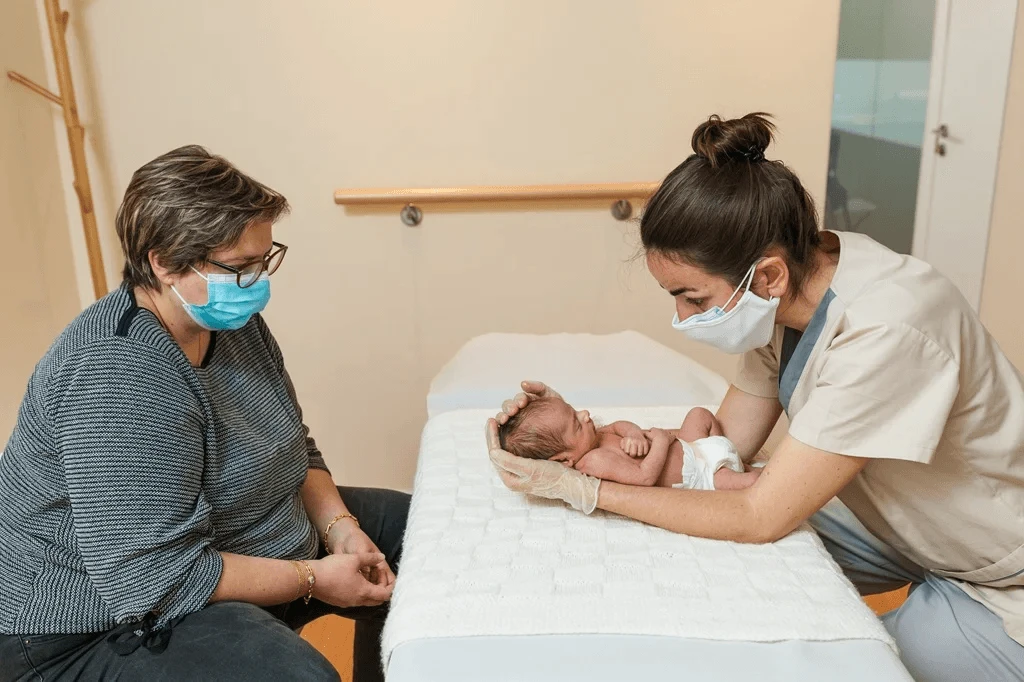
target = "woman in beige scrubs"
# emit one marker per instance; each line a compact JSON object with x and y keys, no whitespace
{"x":900,"y":403}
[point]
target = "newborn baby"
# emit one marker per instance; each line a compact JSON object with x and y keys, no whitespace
{"x":696,"y":456}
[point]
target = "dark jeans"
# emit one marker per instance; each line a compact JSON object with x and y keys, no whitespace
{"x":227,"y":640}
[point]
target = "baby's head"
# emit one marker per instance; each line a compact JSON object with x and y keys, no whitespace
{"x":549,"y":428}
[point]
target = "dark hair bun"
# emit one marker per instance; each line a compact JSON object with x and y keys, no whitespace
{"x":737,"y":139}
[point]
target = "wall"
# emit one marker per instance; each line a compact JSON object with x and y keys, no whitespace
{"x":1001,"y":310}
{"x":38,"y":292}
{"x":318,"y":94}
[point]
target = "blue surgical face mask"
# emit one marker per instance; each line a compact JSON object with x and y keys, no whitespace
{"x":228,"y":306}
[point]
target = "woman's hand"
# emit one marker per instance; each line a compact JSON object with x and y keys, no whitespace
{"x":350,"y":539}
{"x":531,"y":391}
{"x":542,"y":478}
{"x":341,"y":580}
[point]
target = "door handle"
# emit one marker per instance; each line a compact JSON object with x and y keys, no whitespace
{"x":941,"y":133}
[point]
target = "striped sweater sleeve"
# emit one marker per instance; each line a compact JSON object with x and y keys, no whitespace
{"x":316,"y":459}
{"x":130,"y":436}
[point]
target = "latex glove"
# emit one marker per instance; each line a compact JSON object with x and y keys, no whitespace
{"x":531,"y":390}
{"x":543,"y":478}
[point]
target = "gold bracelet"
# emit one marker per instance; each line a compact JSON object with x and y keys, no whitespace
{"x":337,"y":518}
{"x":309,"y":582}
{"x":302,"y":578}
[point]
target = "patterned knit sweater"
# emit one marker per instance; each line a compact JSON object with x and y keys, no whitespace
{"x":129,"y":470}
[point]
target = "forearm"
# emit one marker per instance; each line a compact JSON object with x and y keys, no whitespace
{"x":798,"y":481}
{"x":259,"y":581}
{"x":322,"y":502}
{"x":720,"y":515}
{"x":747,"y":421}
{"x":626,"y":429}
{"x":653,"y":464}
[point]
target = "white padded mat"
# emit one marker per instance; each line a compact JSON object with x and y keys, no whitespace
{"x":625,"y":368}
{"x":624,"y":658}
{"x":480,"y":560}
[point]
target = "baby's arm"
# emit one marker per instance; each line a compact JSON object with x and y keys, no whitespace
{"x":624,"y":429}
{"x":611,"y":465}
{"x":634,"y":442}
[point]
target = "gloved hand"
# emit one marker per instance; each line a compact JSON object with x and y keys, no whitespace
{"x":531,"y":390}
{"x":543,"y":478}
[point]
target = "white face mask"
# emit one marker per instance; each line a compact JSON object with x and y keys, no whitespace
{"x":747,"y":326}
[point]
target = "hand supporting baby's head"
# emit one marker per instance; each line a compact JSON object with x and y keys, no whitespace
{"x":537,"y":431}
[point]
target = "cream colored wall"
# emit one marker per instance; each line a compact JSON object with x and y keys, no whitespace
{"x":1001,"y":310}
{"x":318,"y":94}
{"x":38,"y":292}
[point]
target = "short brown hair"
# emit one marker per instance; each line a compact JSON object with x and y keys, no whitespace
{"x":723,"y":207}
{"x":184,"y":205}
{"x":527,"y":434}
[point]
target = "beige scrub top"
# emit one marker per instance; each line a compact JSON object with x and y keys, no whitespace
{"x":895,"y":366}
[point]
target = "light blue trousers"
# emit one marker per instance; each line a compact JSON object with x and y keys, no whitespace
{"x":943,"y":635}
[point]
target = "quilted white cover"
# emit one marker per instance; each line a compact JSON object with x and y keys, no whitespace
{"x":482,"y":560}
{"x":624,"y":368}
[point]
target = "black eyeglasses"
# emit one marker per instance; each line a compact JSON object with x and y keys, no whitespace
{"x":248,"y":275}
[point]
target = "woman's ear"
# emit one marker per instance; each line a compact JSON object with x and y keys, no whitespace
{"x":771,"y":278}
{"x":163,"y":275}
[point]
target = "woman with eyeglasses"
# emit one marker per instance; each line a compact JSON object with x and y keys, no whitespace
{"x":164,"y":513}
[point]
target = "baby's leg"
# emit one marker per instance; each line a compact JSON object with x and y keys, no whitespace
{"x":727,"y":479}
{"x":699,"y":423}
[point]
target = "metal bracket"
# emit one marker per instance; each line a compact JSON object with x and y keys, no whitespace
{"x":622,"y":209}
{"x":411,"y":215}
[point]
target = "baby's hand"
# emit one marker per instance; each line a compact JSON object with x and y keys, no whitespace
{"x":635,"y":446}
{"x":657,"y":435}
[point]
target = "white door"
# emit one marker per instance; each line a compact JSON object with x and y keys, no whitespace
{"x":973,"y":45}
{"x":920,"y":90}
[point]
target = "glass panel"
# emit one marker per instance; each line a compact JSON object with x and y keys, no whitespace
{"x":878,"y":113}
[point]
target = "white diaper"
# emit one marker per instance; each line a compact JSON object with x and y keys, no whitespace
{"x":703,"y":458}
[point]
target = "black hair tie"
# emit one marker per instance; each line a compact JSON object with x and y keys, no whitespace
{"x":754,"y":154}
